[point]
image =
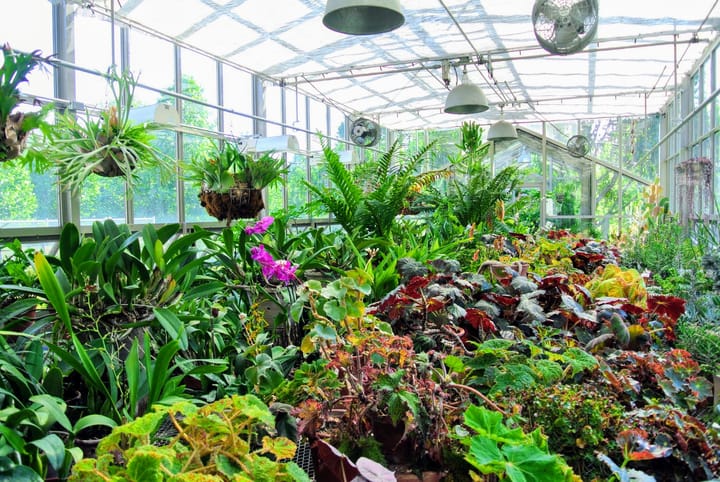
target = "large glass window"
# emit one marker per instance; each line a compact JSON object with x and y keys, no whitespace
{"x":193,"y":147}
{"x":29,"y":199}
{"x":145,"y":51}
{"x":155,"y":196}
{"x":102,"y":198}
{"x":237,"y":95}
{"x":199,"y":81}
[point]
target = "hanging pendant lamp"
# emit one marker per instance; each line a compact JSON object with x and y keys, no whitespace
{"x":363,"y":17}
{"x":502,"y":130}
{"x":466,"y":98}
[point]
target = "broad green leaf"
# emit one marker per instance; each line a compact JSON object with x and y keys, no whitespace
{"x":485,"y":455}
{"x":173,"y":325}
{"x":56,"y":408}
{"x":158,"y":256}
{"x":281,"y":447}
{"x":34,"y":360}
{"x":204,"y":290}
{"x":454,"y":363}
{"x":13,"y":438}
{"x":53,"y":381}
{"x":93,"y":420}
{"x":144,"y":466}
{"x":334,"y":310}
{"x":50,"y":284}
{"x":489,"y":424}
{"x":548,"y":371}
{"x":297,"y":473}
{"x":160,"y":371}
{"x":69,"y":243}
{"x":108,"y":290}
{"x":227,"y":467}
{"x":324,"y":332}
{"x":517,"y":376}
{"x":580,"y":360}
{"x":496,"y":344}
{"x":20,"y":473}
{"x":53,"y":448}
{"x":532,"y":464}
{"x":132,"y":372}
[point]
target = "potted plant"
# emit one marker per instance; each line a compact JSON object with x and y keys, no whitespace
{"x":109,"y":145}
{"x":231,"y":180}
{"x":15,"y":126}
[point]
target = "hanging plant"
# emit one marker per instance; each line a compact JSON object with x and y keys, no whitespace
{"x":231,"y":180}
{"x":15,"y":126}
{"x":108,"y":145}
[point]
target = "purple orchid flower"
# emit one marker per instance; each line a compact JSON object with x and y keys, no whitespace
{"x":261,"y":226}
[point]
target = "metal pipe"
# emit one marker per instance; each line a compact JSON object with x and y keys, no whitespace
{"x":458,"y":61}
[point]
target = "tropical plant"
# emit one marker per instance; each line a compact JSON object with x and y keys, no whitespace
{"x":36,"y":433}
{"x":371,"y":210}
{"x":228,"y":165}
{"x":231,"y":180}
{"x":233,"y":438}
{"x":110,"y":144}
{"x":15,"y":126}
{"x":473,"y":195}
{"x":106,"y":290}
{"x":495,"y":447}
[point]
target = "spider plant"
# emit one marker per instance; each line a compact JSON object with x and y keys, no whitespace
{"x":109,"y":145}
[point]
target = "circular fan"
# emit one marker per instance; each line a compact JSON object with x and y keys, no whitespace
{"x":578,"y":145}
{"x":364,"y":132}
{"x":565,"y":26}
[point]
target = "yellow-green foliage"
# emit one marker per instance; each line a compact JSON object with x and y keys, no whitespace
{"x":229,"y":439}
{"x":616,"y":282}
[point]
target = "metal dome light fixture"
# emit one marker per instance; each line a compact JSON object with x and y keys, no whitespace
{"x":466,"y":98}
{"x":502,"y":130}
{"x":363,"y":17}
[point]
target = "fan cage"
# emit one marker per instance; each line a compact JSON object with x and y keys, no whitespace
{"x":565,"y":26}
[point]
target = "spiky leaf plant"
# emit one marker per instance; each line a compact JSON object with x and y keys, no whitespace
{"x":372,"y":212}
{"x":15,"y":126}
{"x":109,"y":145}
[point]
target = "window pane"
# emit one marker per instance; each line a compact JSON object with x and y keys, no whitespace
{"x":145,"y":55}
{"x":297,"y":192}
{"x":318,"y":123}
{"x":237,"y":95}
{"x":102,"y":198}
{"x":29,"y":199}
{"x":93,"y":50}
{"x":273,"y":111}
{"x":194,"y":146}
{"x":199,"y":81}
{"x":155,"y":197}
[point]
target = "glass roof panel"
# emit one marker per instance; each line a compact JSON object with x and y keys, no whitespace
{"x":628,"y":69}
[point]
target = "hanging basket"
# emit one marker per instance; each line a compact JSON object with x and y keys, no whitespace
{"x":240,"y":202}
{"x":109,"y":166}
{"x":12,"y":137}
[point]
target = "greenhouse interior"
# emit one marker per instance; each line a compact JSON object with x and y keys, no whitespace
{"x":359,"y":240}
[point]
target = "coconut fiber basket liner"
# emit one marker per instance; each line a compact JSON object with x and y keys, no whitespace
{"x":238,"y":203}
